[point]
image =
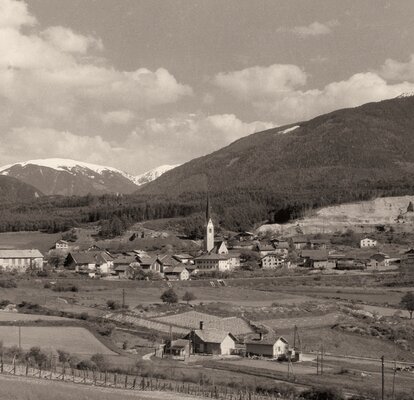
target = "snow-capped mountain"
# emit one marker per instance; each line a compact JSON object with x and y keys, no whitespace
{"x":57,"y":176}
{"x":153,"y":174}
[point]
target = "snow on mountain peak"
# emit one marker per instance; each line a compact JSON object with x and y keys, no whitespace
{"x":73,"y":167}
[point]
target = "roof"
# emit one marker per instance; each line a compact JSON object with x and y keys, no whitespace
{"x":212,"y":335}
{"x":281,"y":245}
{"x":379,"y":257}
{"x":91,"y":257}
{"x":270,"y":339}
{"x":148,"y":260}
{"x":213,"y":257}
{"x":368,"y":238}
{"x":179,"y":343}
{"x":174,"y":270}
{"x":319,"y":241}
{"x":31,"y":253}
{"x":272,"y":255}
{"x":300,"y":239}
{"x":124,"y":260}
{"x":183,"y":256}
{"x":62,"y":241}
{"x":121,"y":268}
{"x":265,"y":247}
{"x":315,"y":255}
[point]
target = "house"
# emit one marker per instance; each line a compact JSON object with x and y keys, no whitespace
{"x":21,"y":260}
{"x":267,"y":346}
{"x":184,"y":258}
{"x":218,"y":262}
{"x":123,"y":266}
{"x":281,"y":247}
{"x":62,"y":245}
{"x":178,"y":273}
{"x":243,"y":236}
{"x":265,"y":249}
{"x":367,"y":242}
{"x":317,"y":259}
{"x":299,"y":242}
{"x":211,"y":341}
{"x":177,"y":349}
{"x":271,"y":261}
{"x":99,"y":261}
{"x":151,"y":264}
{"x":378,"y":261}
{"x":318,"y":244}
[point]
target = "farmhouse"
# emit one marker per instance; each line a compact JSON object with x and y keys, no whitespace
{"x":378,"y":261}
{"x":178,"y":273}
{"x":218,"y":262}
{"x":123,"y":266}
{"x":318,"y":244}
{"x":267,"y":346}
{"x":271,"y":261}
{"x":265,"y":249}
{"x":211,"y":341}
{"x":299,"y":242}
{"x":317,"y":259}
{"x":367,"y":242}
{"x":243,"y":236}
{"x":184,"y":258}
{"x":281,"y":248}
{"x":177,"y":349}
{"x":90,"y":261}
{"x":21,"y":260}
{"x":151,"y":264}
{"x":61,"y":245}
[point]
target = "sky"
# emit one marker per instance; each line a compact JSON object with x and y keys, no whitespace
{"x":134,"y":84}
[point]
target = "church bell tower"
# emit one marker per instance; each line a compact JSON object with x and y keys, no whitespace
{"x":209,"y":236}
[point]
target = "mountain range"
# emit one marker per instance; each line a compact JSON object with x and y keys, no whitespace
{"x":346,"y":155}
{"x":66,"y":177}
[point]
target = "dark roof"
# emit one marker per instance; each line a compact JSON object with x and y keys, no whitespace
{"x":265,"y":247}
{"x":315,"y":255}
{"x":269,"y":339}
{"x":124,"y":260}
{"x":212,"y":257}
{"x":91,"y":257}
{"x":174,"y":270}
{"x":148,"y":260}
{"x":379,"y":257}
{"x":179,"y":344}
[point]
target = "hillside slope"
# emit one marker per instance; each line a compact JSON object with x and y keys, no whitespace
{"x":347,"y":155}
{"x":12,"y":191}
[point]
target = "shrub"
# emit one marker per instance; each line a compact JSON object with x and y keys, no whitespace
{"x":7,"y":284}
{"x":106,"y":330}
{"x":65,"y":288}
{"x":169,"y":296}
{"x":4,"y":303}
{"x":47,"y":285}
{"x":100,"y":362}
{"x":37,"y":357}
{"x":84,"y":316}
{"x":189,"y":296}
{"x":322,"y":393}
{"x":87,"y":365}
{"x":113,"y":305}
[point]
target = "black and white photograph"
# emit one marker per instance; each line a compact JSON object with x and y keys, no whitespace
{"x":206,"y":199}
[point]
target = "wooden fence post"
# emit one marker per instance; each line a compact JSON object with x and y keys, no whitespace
{"x":126,"y":381}
{"x":27,"y":369}
{"x":115,"y":379}
{"x":106,"y":375}
{"x":134,"y":383}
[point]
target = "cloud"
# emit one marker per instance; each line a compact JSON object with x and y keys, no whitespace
{"x":66,"y":40}
{"x":14,"y":14}
{"x":260,"y":81}
{"x":120,"y":117}
{"x":51,"y":77}
{"x":277,"y":92}
{"x":314,"y":29}
{"x":398,"y":71}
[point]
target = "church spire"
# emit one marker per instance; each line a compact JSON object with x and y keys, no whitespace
{"x":209,"y":235}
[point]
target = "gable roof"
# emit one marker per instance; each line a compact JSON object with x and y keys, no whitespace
{"x":315,"y":255}
{"x":174,"y":270}
{"x":265,"y":247}
{"x":30,"y":253}
{"x":269,"y":339}
{"x":90,"y":257}
{"x":124,"y":260}
{"x":212,"y":335}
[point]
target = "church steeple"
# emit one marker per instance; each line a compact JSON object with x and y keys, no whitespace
{"x":209,"y":236}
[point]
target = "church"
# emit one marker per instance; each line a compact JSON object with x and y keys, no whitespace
{"x":216,"y":255}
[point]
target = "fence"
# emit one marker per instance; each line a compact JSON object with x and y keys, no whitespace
{"x":130,"y":382}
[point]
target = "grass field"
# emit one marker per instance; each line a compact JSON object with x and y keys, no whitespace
{"x":75,"y":340}
{"x":18,"y":388}
{"x":7,"y":316}
{"x":302,"y":322}
{"x":28,"y":240}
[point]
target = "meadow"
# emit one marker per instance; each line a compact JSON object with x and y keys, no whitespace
{"x":74,"y":340}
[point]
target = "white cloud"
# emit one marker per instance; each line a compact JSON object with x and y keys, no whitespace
{"x":277,"y":92}
{"x":14,"y":14}
{"x":260,"y":81}
{"x":66,"y":40}
{"x":315,"y":28}
{"x":50,"y":77}
{"x":398,"y":71}
{"x":120,"y":117}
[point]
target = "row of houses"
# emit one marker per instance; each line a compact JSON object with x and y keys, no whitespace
{"x":216,"y":342}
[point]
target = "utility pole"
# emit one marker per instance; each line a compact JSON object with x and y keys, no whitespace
{"x":382,"y":378}
{"x":20,"y":337}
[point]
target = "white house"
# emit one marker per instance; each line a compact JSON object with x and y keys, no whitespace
{"x":267,"y":346}
{"x":62,"y":245}
{"x":270,"y":261}
{"x":367,"y":242}
{"x":178,"y":273}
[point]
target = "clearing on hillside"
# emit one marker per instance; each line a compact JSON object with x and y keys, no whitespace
{"x":52,"y":338}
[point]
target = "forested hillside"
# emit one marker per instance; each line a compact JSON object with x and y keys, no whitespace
{"x":275,"y":175}
{"x":12,"y":191}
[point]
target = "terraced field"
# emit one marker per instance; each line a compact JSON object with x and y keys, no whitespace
{"x":191,"y":320}
{"x":308,"y":322}
{"x":146,"y":323}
